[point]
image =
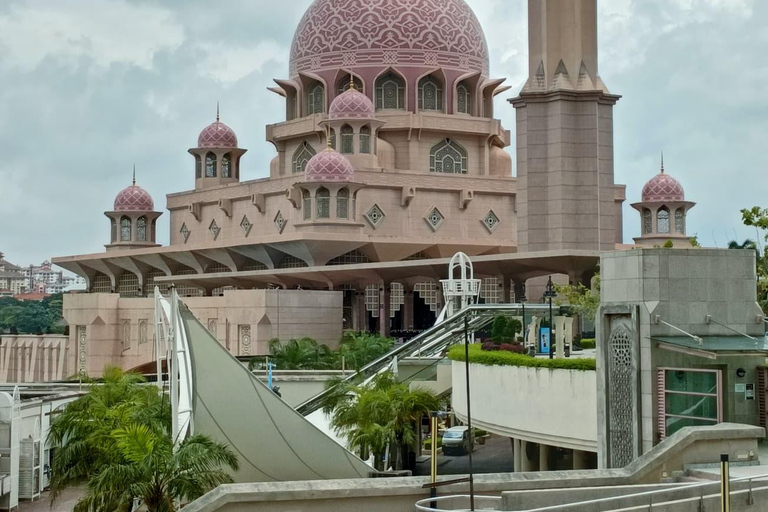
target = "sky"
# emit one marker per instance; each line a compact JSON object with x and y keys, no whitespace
{"x":88,"y":88}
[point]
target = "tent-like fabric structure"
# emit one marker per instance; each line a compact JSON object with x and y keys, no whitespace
{"x":272,"y":440}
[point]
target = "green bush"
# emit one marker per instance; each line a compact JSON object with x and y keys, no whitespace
{"x":479,"y":356}
{"x":587,"y":343}
{"x":428,"y":443}
{"x":480,"y":432}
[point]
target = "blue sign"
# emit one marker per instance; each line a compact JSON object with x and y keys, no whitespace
{"x":544,"y":340}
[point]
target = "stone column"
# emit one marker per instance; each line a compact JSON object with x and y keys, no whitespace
{"x":544,"y":454}
{"x":579,"y":459}
{"x":526,"y":464}
{"x":516,"y":453}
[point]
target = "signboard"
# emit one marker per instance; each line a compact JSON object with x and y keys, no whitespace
{"x":544,"y":338}
{"x":750,"y":394}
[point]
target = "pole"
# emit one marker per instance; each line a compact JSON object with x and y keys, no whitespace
{"x":158,"y":330}
{"x":725,"y":484}
{"x":173,"y":370}
{"x":550,"y":292}
{"x":433,"y":461}
{"x":469,"y":416}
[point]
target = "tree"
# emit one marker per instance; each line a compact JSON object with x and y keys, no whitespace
{"x":582,"y":300}
{"x":758,"y":218}
{"x":301,"y":354}
{"x":380,"y":413}
{"x":145,"y":466}
{"x":359,"y":349}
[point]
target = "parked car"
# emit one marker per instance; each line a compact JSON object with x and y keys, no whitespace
{"x":457,"y":441}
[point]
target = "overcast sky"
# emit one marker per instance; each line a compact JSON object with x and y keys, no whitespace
{"x":90,"y":87}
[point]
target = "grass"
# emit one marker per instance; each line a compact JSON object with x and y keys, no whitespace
{"x":500,"y":358}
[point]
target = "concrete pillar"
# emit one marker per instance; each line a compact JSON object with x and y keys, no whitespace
{"x":525,"y":463}
{"x":519,"y":288}
{"x":408,"y":309}
{"x":385,"y":308}
{"x":516,"y":453}
{"x":579,"y":459}
{"x":544,"y":453}
{"x":362,"y":313}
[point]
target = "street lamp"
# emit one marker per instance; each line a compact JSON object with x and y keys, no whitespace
{"x":549,"y":293}
{"x":523,"y":299}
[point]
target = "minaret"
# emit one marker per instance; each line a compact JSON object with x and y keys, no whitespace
{"x":566,"y":196}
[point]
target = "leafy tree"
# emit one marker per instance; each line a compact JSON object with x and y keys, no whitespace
{"x":32,"y":317}
{"x":505,"y":329}
{"x":359,"y":349}
{"x":581,"y":299}
{"x":301,"y":354}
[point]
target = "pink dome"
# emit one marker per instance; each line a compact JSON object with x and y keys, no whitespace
{"x":134,"y":199}
{"x":432,"y":33}
{"x":662,"y":188}
{"x":351,"y":104}
{"x":329,"y":165}
{"x":217,"y":135}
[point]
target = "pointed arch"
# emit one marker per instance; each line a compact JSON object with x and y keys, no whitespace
{"x":647,"y":221}
{"x":316,"y":99}
{"x":306,"y":204}
{"x":125,"y":229}
{"x":141,"y":229}
{"x":226,"y":166}
{"x":302,"y":156}
{"x":323,"y":203}
{"x":210,"y":165}
{"x":463,"y":98}
{"x":430,"y":93}
{"x":680,"y":221}
{"x":390,"y":91}
{"x":365,"y":139}
{"x":448,"y":156}
{"x":342,"y":84}
{"x":342,"y":203}
{"x":347,"y":140}
{"x":662,"y":220}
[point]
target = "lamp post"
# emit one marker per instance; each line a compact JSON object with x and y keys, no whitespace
{"x":523,"y":299}
{"x":549,"y":293}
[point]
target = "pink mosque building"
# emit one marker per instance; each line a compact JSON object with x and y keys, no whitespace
{"x":389,"y":160}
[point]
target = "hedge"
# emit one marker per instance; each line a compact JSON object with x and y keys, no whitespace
{"x":428,"y":443}
{"x":587,"y":343}
{"x":479,"y":356}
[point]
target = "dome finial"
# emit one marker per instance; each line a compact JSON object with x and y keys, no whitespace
{"x":134,"y":175}
{"x":328,"y":144}
{"x":217,"y":111}
{"x":662,"y":162}
{"x":351,"y":81}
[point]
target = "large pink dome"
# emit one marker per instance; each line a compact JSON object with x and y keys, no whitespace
{"x":424,"y":33}
{"x":217,"y":135}
{"x":329,"y":165}
{"x":351,"y":104}
{"x":663,"y":188}
{"x":134,"y":199}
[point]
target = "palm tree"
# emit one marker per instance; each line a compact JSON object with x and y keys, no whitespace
{"x":359,"y":349}
{"x":301,"y":354}
{"x":746,"y":244}
{"x":147,"y":468}
{"x":379,"y":413}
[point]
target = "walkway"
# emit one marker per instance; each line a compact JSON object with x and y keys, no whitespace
{"x":65,"y":503}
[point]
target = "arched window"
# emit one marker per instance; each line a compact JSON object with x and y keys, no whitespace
{"x":647,"y":222}
{"x":332,"y":136}
{"x":301,"y":156}
{"x":316,"y":100}
{"x":463,"y":100}
{"x":448,"y":156}
{"x":198,"y":167}
{"x":141,"y":229}
{"x":662,"y":220}
{"x":342,"y":204}
{"x":347,"y":137}
{"x":226,"y":165}
{"x":390,"y":92}
{"x":323,"y":199}
{"x":365,"y":139}
{"x":210,"y":165}
{"x":125,"y":229}
{"x":680,"y":221}
{"x":306,"y":204}
{"x":430,"y":94}
{"x":343,"y":84}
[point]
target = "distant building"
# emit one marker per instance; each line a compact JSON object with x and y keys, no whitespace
{"x":44,"y":279}
{"x":12,"y":280}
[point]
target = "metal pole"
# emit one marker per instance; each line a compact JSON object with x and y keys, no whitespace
{"x":725,"y":484}
{"x":433,"y":462}
{"x":173,"y":368}
{"x":551,"y":325}
{"x":469,"y":416}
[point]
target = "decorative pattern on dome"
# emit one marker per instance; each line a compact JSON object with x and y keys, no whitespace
{"x":217,"y":135}
{"x":351,"y":104}
{"x":338,"y":33}
{"x":134,"y":199}
{"x":329,"y":165}
{"x":663,"y":187}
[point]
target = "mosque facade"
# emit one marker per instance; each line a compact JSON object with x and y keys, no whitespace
{"x":389,"y":161}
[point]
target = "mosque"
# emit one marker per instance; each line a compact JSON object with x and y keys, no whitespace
{"x":389,"y":161}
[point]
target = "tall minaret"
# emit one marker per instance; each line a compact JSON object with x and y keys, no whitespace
{"x":566,"y":196}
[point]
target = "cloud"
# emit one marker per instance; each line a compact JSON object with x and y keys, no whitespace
{"x":229,"y":64}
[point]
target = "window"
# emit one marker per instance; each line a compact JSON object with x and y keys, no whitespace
{"x":226,"y":165}
{"x":141,"y":229}
{"x":463,"y":100}
{"x":332,"y":138}
{"x":210,"y":165}
{"x":323,"y":198}
{"x":316,"y":102}
{"x":306,"y":200}
{"x":390,"y":92}
{"x":430,"y":94}
{"x":198,"y":167}
{"x":680,"y":221}
{"x":347,"y":138}
{"x":343,"y":84}
{"x":113,"y":230}
{"x":125,"y":229}
{"x":448,"y":156}
{"x":342,"y":204}
{"x":301,"y":156}
{"x":689,"y":397}
{"x":647,"y":222}
{"x":365,"y":139}
{"x":662,"y":220}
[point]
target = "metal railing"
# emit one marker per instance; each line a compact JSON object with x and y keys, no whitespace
{"x":458,"y":503}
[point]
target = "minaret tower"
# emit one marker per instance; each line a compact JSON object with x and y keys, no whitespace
{"x":566,"y":196}
{"x":217,"y":157}
{"x":133,"y":219}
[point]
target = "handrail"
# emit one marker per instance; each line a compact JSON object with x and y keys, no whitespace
{"x":426,"y":505}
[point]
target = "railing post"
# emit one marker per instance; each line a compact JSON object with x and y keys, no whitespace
{"x":750,"y":496}
{"x":725,"y":484}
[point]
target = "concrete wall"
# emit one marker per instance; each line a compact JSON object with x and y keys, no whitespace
{"x":30,"y":358}
{"x":552,"y":407}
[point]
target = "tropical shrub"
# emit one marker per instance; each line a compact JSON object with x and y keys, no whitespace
{"x":302,"y":354}
{"x":503,"y":358}
{"x":360,"y":348}
{"x":587,"y":343}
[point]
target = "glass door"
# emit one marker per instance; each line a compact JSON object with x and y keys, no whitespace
{"x":688,"y":397}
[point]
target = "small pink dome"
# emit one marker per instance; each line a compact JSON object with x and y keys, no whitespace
{"x":661,"y":188}
{"x":329,"y":165}
{"x":134,"y":199}
{"x":217,"y":135}
{"x":351,"y":104}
